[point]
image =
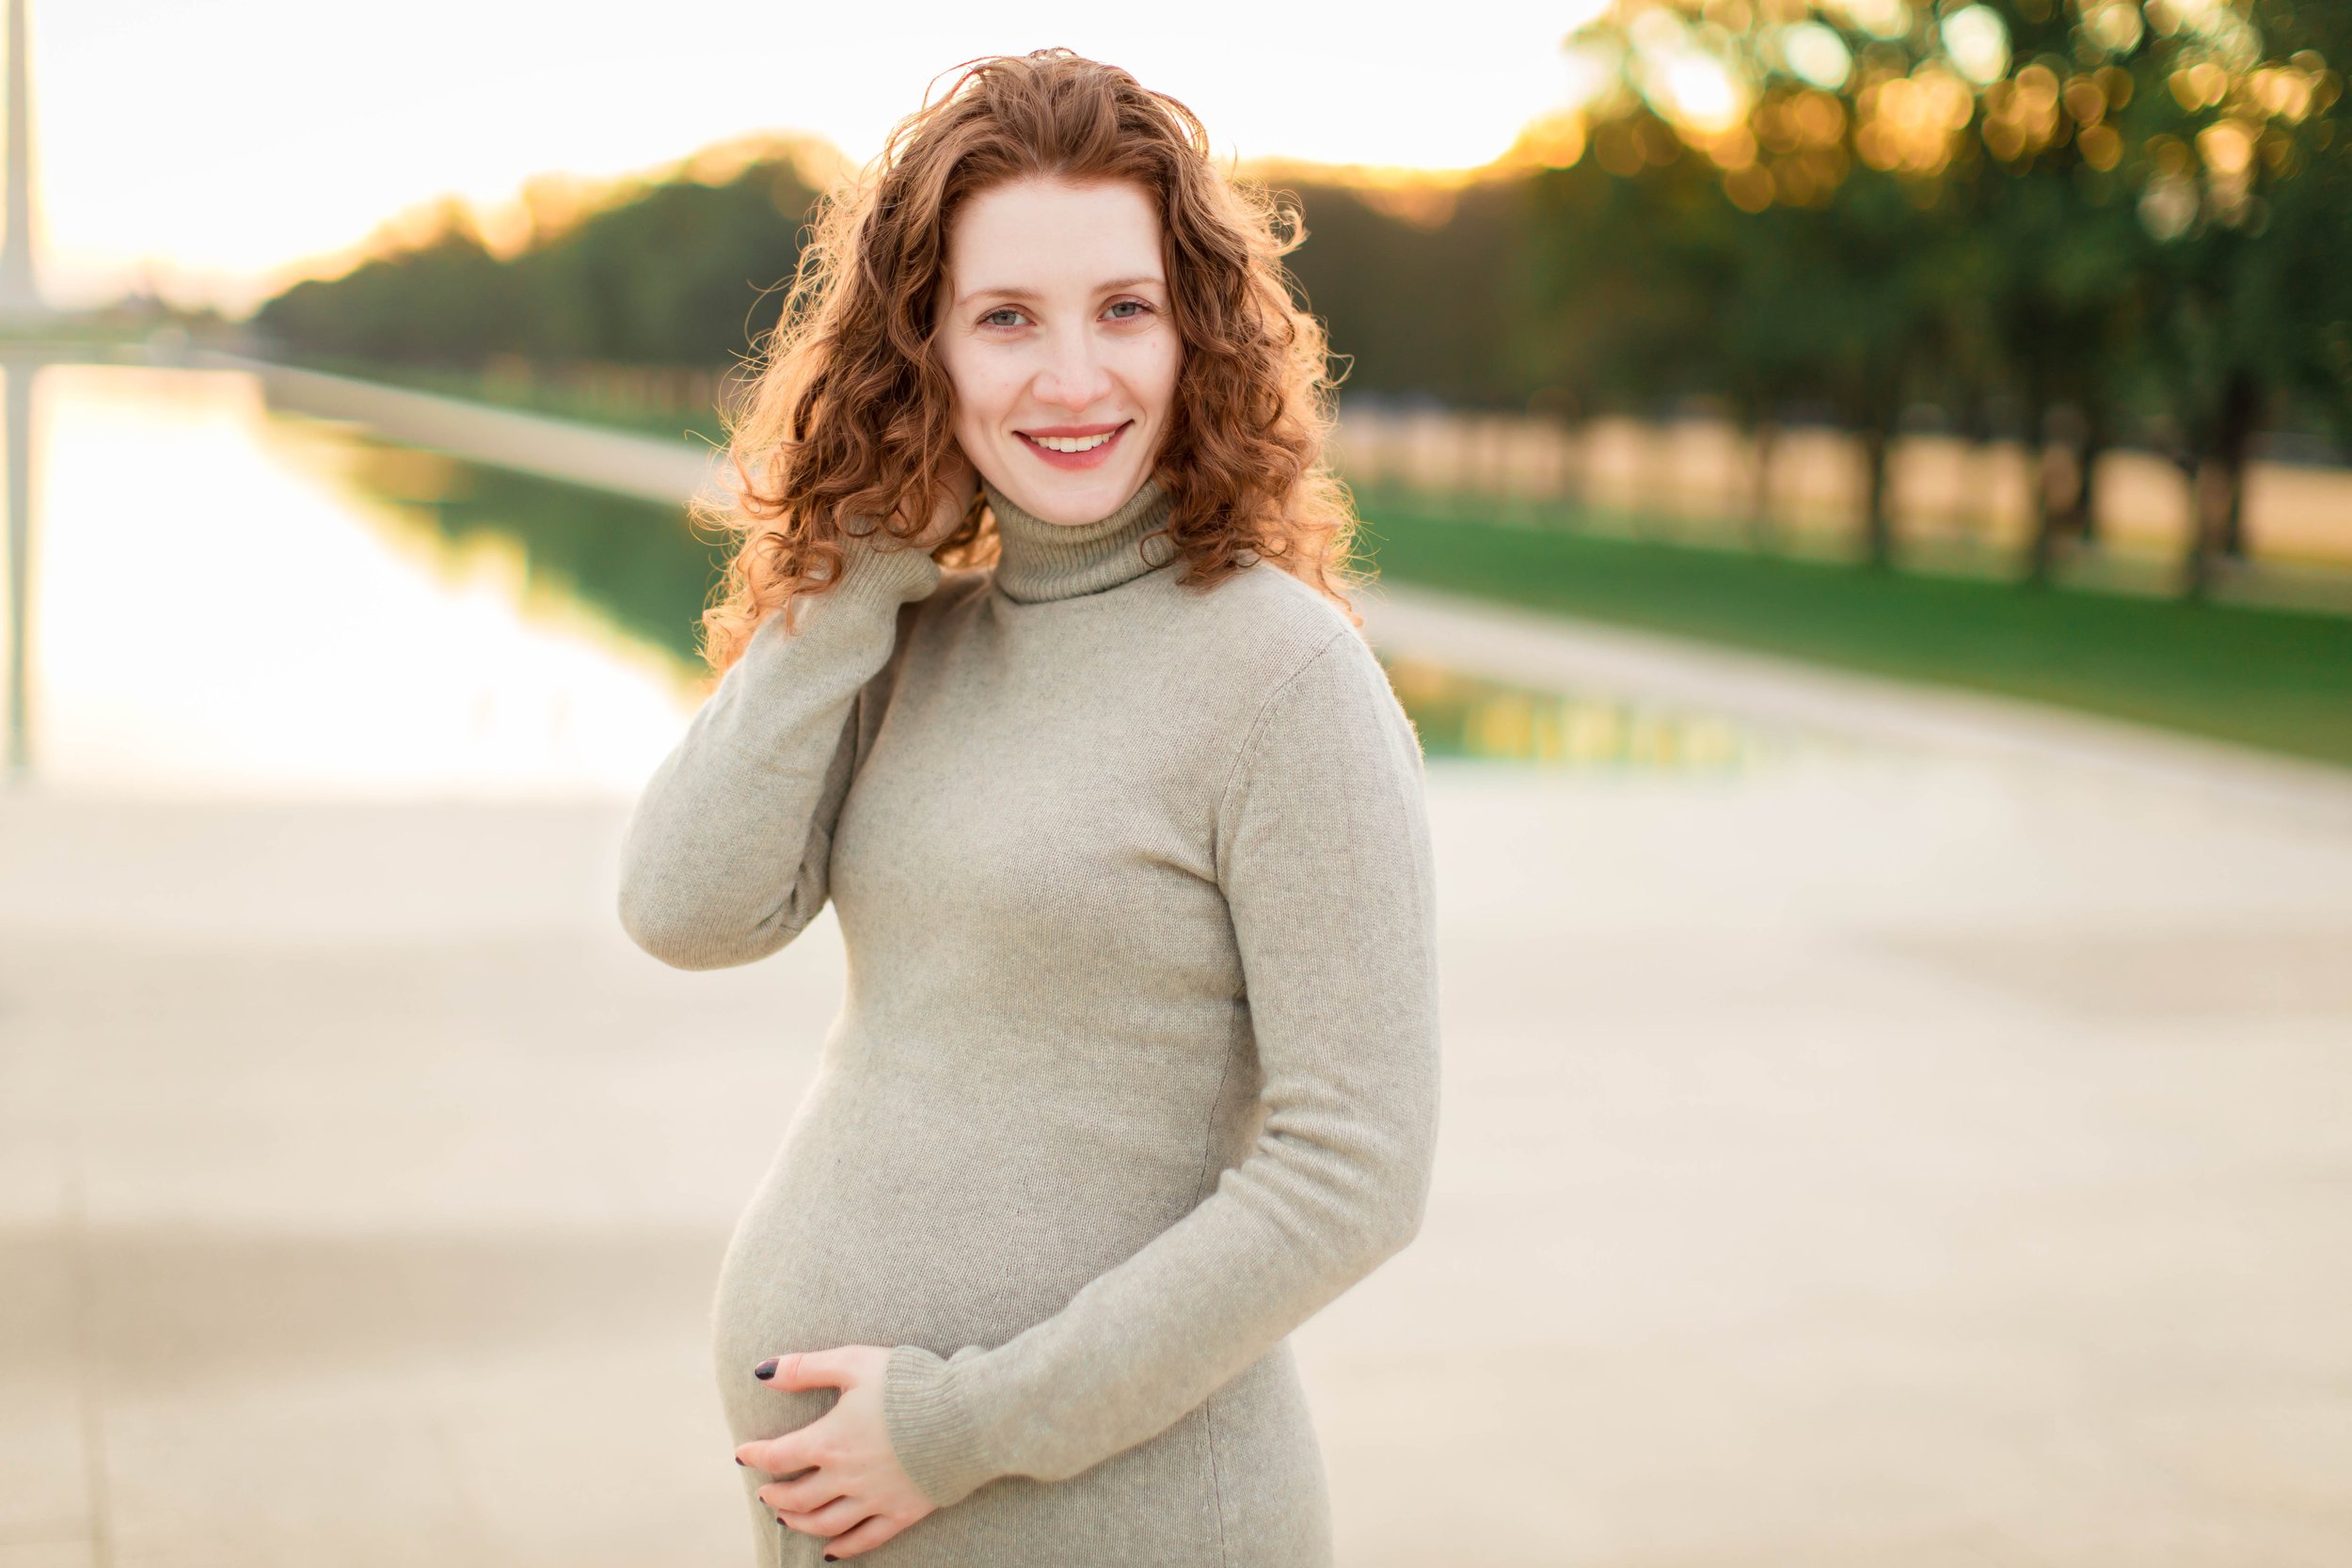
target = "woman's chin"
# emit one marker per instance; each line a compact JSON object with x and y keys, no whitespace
{"x":1073,"y":498}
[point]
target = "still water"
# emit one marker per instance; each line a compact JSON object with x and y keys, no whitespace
{"x":223,"y":598}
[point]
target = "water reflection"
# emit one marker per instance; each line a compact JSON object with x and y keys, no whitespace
{"x":238,"y":613}
{"x":635,"y":561}
{"x":1470,"y":717}
{"x":16,"y":386}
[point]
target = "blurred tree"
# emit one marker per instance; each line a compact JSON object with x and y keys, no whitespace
{"x":370,"y":312}
{"x":2068,"y":202}
{"x":1411,"y":280}
{"x":2233,"y":143}
{"x":1803,"y":258}
{"x":1626,"y":281}
{"x":1639,"y":293}
{"x":666,"y":271}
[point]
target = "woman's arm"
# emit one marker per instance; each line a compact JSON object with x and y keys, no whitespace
{"x":1323,"y":855}
{"x":726,"y":854}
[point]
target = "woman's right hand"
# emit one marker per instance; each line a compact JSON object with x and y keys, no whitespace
{"x":953,"y":499}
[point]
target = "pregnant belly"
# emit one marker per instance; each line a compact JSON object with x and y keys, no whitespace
{"x":946,"y":1223}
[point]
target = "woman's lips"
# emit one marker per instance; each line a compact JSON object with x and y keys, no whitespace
{"x":1092,"y":458}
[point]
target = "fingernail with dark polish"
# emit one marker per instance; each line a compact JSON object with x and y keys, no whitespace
{"x":767,"y":1368}
{"x":740,"y":1461}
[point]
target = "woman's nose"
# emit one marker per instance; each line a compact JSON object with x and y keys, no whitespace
{"x":1075,"y":378}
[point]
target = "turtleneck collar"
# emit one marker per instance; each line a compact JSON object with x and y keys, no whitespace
{"x":1039,"y":561}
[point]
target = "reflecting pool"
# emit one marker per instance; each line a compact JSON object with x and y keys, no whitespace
{"x":220,"y":599}
{"x":1466,"y":717}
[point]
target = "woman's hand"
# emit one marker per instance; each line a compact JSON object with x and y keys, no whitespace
{"x":854,"y":1491}
{"x":952,"y":501}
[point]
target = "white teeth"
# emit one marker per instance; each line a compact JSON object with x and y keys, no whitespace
{"x":1072,"y":443}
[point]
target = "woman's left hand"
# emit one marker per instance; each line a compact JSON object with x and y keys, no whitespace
{"x":854,"y":1491}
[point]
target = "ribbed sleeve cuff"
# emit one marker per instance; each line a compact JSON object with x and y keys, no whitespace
{"x":931,"y":1430}
{"x":884,"y":571}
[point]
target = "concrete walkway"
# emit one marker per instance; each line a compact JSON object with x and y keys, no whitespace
{"x":1927,"y":1147}
{"x":562,"y":449}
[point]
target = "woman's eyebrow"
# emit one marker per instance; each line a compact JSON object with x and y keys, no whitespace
{"x":1033,"y":294}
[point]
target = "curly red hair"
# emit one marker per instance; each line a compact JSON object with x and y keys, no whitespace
{"x":847,"y":408}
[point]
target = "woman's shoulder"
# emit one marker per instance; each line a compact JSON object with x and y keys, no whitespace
{"x":1263,"y":647}
{"x":1265,"y":625}
{"x":1301,"y":695}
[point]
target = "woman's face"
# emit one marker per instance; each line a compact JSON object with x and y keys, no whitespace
{"x":1055,"y":328}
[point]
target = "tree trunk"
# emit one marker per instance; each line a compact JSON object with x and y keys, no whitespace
{"x":2040,"y":516}
{"x":1973,"y":519}
{"x":1656,"y":510}
{"x":1762,"y":437}
{"x":1878,"y":534}
{"x":1566,"y":415}
{"x":2237,"y":442}
{"x":2209,"y":493}
{"x":2081,"y":519}
{"x":2218,"y":484}
{"x":1575,"y":458}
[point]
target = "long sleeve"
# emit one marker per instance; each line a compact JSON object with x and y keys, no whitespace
{"x":1324,"y":857}
{"x":726,"y":854}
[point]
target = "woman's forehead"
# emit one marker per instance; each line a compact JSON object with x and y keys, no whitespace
{"x":1039,"y":235}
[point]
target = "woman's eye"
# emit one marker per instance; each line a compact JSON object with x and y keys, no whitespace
{"x":990,"y":320}
{"x":1125,"y":303}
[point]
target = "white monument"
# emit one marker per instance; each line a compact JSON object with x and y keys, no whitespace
{"x":20,"y":296}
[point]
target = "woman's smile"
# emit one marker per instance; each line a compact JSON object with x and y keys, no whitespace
{"x":1075,"y":446}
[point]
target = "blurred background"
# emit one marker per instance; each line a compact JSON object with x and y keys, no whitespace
{"x":1859,"y":498}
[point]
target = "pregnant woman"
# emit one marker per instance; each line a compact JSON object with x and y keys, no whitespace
{"x":1035,"y":663}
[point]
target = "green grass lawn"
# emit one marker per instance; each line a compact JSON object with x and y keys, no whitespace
{"x":2271,"y":678}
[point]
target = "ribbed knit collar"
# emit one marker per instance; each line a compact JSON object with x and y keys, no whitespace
{"x":1039,"y":561}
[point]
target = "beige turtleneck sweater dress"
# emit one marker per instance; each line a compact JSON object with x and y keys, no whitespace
{"x":1136,"y":1068}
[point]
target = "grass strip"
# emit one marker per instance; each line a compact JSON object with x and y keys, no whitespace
{"x":2277,"y":680}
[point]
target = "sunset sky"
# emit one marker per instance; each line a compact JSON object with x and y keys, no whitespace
{"x":223,"y":147}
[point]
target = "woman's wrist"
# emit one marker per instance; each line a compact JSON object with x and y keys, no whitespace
{"x":931,"y":1429}
{"x":878,"y":568}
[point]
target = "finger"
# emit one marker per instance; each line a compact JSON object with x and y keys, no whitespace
{"x":832,"y":1519}
{"x":807,"y":1369}
{"x":805,"y":1495}
{"x":865,"y":1538}
{"x":781,"y":1457}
